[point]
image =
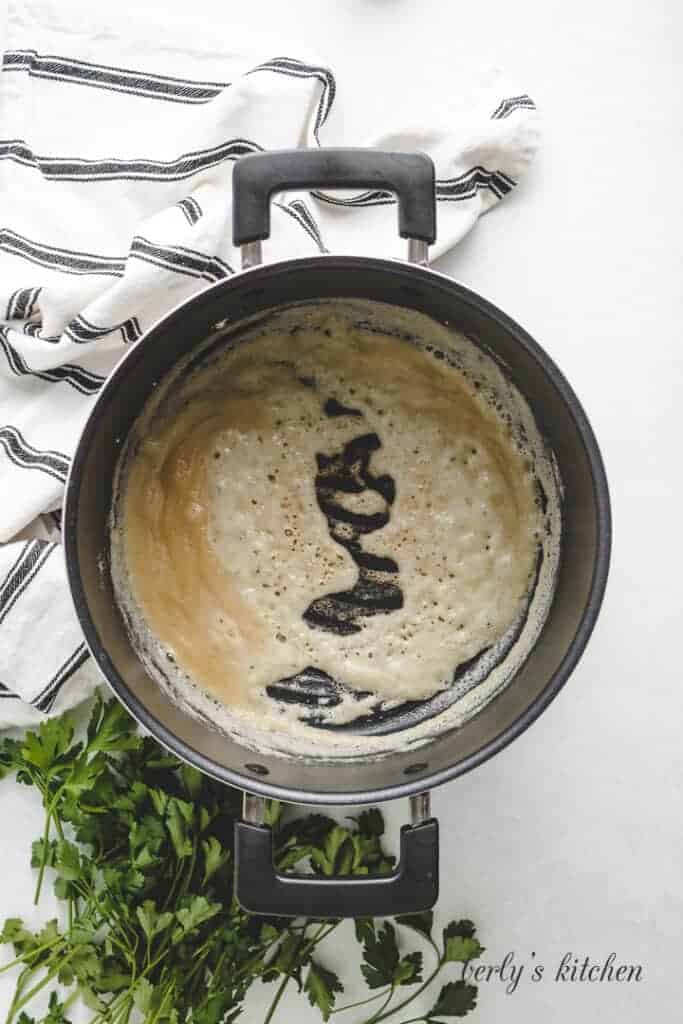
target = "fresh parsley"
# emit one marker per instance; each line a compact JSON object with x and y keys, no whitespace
{"x":138,"y":847}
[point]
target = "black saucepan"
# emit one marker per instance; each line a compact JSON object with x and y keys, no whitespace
{"x":581,"y":576}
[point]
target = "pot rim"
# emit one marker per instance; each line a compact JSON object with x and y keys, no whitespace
{"x":422,"y":783}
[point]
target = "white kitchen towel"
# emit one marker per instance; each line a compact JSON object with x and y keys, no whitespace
{"x":116,"y":152}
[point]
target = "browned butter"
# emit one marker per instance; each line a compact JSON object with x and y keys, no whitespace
{"x":222,"y":545}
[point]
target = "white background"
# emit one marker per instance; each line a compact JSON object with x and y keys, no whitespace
{"x":571,"y":839}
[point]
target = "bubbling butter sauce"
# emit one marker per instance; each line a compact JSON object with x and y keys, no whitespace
{"x":344,"y":487}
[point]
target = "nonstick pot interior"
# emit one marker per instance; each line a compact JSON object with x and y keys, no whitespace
{"x":585,"y":536}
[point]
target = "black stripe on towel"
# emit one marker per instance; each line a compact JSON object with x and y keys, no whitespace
{"x":24,"y":455}
{"x":298,"y":69}
{"x":46,"y":698}
{"x":21,"y":303}
{"x":180,"y":260}
{"x":67,"y":168}
{"x":33,"y":329}
{"x":104,"y":76}
{"x":31,"y":559}
{"x":11,"y":572}
{"x":79,"y":378}
{"x":298,"y":210}
{"x":465,"y":186}
{"x":13,"y":303}
{"x":506,"y":106}
{"x":191,"y":209}
{"x":83,"y":331}
{"x":377,"y":197}
{"x":69,"y":261}
{"x":32,"y":304}
{"x":161,"y":87}
{"x":18,"y":151}
{"x":131,"y":330}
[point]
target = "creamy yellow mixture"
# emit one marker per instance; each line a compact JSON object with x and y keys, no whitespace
{"x":250,"y":499}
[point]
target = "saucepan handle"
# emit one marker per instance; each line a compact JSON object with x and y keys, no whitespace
{"x":411,"y":888}
{"x":259,"y":176}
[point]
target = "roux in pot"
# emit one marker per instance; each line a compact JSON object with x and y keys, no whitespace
{"x":334,"y":496}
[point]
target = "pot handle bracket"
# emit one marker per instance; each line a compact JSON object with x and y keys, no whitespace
{"x":411,"y":888}
{"x":257,"y":177}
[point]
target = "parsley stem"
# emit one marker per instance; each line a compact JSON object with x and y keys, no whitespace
{"x":49,"y":817}
{"x":107,"y":912}
{"x":43,"y":861}
{"x":362,"y":1002}
{"x":106,"y":1014}
{"x":169,"y":991}
{"x":124,"y":1011}
{"x":278,"y":996}
{"x":389,"y":1013}
{"x":25,"y":957}
{"x":247,"y":967}
{"x":19,"y":988}
{"x":210,"y":987}
{"x":176,"y":878}
{"x":245,"y":970}
{"x":302,"y":949}
{"x":378,"y":1015}
{"x":193,"y":861}
{"x":36,"y":988}
{"x":70,"y":999}
{"x":317,"y":938}
{"x":165,"y":948}
{"x":200,"y":959}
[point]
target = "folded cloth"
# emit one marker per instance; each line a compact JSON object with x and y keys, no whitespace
{"x":116,"y":156}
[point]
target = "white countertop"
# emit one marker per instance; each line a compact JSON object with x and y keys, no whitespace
{"x":571,"y":840}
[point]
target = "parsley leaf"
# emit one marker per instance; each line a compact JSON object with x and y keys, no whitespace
{"x":459,"y":942}
{"x":18,"y":935}
{"x":109,"y":728}
{"x":214,"y":857}
{"x":409,"y":969}
{"x":383,"y":963}
{"x":178,"y":818}
{"x":142,"y":995}
{"x":196,"y":911}
{"x":380,"y":954}
{"x":66,"y":860}
{"x":321,"y":987}
{"x":371,"y":822}
{"x":364,"y":927}
{"x":456,"y":999}
{"x":44,"y":749}
{"x":151,"y":921}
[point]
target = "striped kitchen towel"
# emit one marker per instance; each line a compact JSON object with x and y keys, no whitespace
{"x":117,"y":144}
